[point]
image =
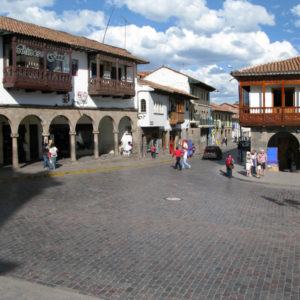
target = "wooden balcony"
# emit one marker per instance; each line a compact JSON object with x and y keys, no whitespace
{"x":269,"y":116}
{"x":37,"y":79}
{"x":111,"y":88}
{"x":176,"y":118}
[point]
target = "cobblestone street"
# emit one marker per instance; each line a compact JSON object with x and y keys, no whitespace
{"x":113,"y":234}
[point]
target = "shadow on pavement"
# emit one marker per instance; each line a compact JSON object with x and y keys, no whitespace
{"x":16,"y":192}
{"x":284,"y":202}
{"x":6,"y":267}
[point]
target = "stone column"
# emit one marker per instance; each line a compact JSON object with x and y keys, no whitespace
{"x":137,"y":143}
{"x":96,"y":144}
{"x":72,"y":146}
{"x":15,"y":154}
{"x":116,"y":142}
{"x":45,"y":137}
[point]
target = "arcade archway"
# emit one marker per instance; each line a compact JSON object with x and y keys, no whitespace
{"x":288,"y":150}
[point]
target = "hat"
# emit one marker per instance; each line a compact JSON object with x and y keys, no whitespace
{"x":262,"y":150}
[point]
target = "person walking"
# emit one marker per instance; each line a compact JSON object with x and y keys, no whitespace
{"x":53,"y":152}
{"x":254,"y":162}
{"x":177,"y":153}
{"x":45,"y":151}
{"x":184,"y":159}
{"x":229,"y":165}
{"x":153,"y":151}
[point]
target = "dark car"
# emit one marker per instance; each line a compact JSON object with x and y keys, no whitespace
{"x":212,"y":152}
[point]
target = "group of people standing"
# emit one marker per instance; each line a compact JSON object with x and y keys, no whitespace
{"x":178,"y":153}
{"x":256,"y":163}
{"x":49,"y":155}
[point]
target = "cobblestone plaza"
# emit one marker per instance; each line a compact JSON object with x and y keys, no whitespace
{"x":115,"y":235}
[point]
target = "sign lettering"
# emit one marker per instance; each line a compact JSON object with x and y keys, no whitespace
{"x":24,"y":50}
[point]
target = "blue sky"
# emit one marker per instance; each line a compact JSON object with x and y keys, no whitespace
{"x":205,"y":39}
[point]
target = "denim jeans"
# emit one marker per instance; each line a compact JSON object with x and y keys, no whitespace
{"x":185,"y":163}
{"x":46,"y":161}
{"x":53,"y":162}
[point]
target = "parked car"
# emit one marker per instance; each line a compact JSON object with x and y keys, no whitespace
{"x":212,"y":152}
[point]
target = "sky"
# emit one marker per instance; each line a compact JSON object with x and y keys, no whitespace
{"x":204,"y":39}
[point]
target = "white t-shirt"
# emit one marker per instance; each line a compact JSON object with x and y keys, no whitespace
{"x":53,"y":151}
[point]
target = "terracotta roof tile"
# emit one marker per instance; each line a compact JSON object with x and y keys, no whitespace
{"x":281,"y":67}
{"x":19,"y":27}
{"x":164,"y":88}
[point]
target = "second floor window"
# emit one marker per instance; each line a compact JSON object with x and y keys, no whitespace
{"x":74,"y":67}
{"x":143,"y":105}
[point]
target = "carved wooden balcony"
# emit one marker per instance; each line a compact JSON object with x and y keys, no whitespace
{"x":269,"y":116}
{"x":176,"y":118}
{"x":37,"y":79}
{"x":111,"y":88}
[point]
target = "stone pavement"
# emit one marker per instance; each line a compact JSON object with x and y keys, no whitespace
{"x":16,"y":289}
{"x":113,"y":235}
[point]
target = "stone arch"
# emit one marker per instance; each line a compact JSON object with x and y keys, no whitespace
{"x":84,"y":138}
{"x":125,"y":130}
{"x":5,"y":140}
{"x":288,"y":149}
{"x":30,"y":138}
{"x":59,"y":131}
{"x":106,"y":135}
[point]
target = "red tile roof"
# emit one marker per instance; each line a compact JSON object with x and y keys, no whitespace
{"x":196,"y":81}
{"x":217,"y":107}
{"x":167,"y":89}
{"x":8,"y":25}
{"x":281,"y":67}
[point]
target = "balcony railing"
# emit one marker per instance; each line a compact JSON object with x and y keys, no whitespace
{"x":270,"y":116}
{"x":111,"y":87}
{"x":176,"y":118}
{"x":200,"y":121}
{"x":36,"y":79}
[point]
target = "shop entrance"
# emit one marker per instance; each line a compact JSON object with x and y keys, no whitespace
{"x":288,"y":150}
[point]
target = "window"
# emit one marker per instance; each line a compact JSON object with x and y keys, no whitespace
{"x":58,"y":62}
{"x":245,"y":95}
{"x":143,"y":105}
{"x":28,"y":57}
{"x":158,"y":107}
{"x":74,"y":67}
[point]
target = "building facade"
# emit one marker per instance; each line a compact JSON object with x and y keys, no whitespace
{"x":269,"y":104}
{"x":72,"y":90}
{"x":221,"y":120}
{"x":189,"y":117}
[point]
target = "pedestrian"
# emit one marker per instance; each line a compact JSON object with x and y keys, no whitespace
{"x":178,"y":153}
{"x":153,"y":151}
{"x":45,"y":151}
{"x":184,"y":159}
{"x":248,"y":164}
{"x":254,"y":162}
{"x":229,"y":165}
{"x":53,"y":152}
{"x":261,"y":163}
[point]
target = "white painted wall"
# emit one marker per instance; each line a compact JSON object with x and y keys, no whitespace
{"x":80,"y":84}
{"x":151,"y":118}
{"x":165,"y":76}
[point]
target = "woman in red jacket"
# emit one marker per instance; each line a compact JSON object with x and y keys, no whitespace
{"x":229,"y":165}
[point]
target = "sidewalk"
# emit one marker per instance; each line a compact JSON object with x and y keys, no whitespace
{"x":279,"y":179}
{"x":12,"y":289}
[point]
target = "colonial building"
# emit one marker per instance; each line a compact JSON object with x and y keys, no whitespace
{"x":269,"y":104}
{"x":221,"y":121}
{"x":189,"y":116}
{"x":76,"y":91}
{"x":159,"y":108}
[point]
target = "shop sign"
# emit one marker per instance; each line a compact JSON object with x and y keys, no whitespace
{"x":52,"y":56}
{"x":24,"y":50}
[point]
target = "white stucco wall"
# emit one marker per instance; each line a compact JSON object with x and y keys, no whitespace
{"x":165,"y":76}
{"x":151,"y":118}
{"x":79,"y":84}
